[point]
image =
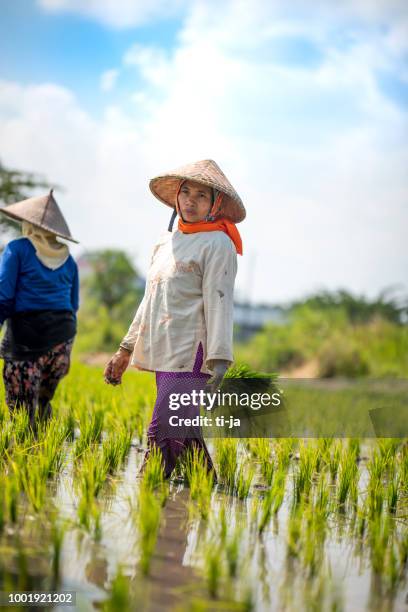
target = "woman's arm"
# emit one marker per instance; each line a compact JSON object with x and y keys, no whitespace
{"x":220,"y":269}
{"x":120,"y":360}
{"x":75,"y":289}
{"x":9,"y":270}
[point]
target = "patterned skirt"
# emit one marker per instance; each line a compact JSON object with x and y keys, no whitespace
{"x":32,"y":384}
{"x":159,"y":435}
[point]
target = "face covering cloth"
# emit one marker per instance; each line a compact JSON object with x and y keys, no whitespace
{"x":49,"y":251}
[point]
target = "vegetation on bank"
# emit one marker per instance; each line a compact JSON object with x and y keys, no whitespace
{"x":343,"y":335}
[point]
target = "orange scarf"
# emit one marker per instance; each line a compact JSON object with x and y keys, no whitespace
{"x":221,"y":223}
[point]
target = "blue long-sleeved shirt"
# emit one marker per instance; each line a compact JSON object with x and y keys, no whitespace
{"x":26,"y":284}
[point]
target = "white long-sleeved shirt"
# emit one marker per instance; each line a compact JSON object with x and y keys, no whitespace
{"x":188,"y":299}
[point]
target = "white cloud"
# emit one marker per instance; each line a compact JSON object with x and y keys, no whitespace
{"x":318,"y":154}
{"x":100,"y":163}
{"x":152,"y":62}
{"x":116,"y":13}
{"x":108,"y":79}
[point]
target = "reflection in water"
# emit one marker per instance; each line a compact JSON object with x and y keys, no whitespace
{"x":96,"y":571}
{"x":170,"y":581}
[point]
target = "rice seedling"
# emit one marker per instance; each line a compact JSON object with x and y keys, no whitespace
{"x":403,"y":551}
{"x":226,"y":455}
{"x":324,"y":445}
{"x":278,"y":490}
{"x":58,"y":530}
{"x":91,"y":425}
{"x":253,"y":514}
{"x":5,"y":440}
{"x":354,"y":447}
{"x":260,"y":448}
{"x":392,"y":570}
{"x":347,"y":477}
{"x":361,"y":523}
{"x":334,"y":461}
{"x":153,"y":471}
{"x":375,"y":498}
{"x":115,"y":449}
{"x":283,"y":451}
{"x":392,"y":494}
{"x":388,"y":447}
{"x":33,"y":481}
{"x":4,"y":412}
{"x":89,"y":516}
{"x":213,"y":567}
{"x":119,"y":594}
{"x":293,"y":532}
{"x":243,"y":481}
{"x":22,"y":432}
{"x":12,"y":493}
{"x":222,"y":518}
{"x":3,"y":502}
{"x":272,"y":500}
{"x":376,"y":494}
{"x":52,"y":451}
{"x":313,"y":537}
{"x":232,"y":552}
{"x":266,"y":510}
{"x":69,"y":424}
{"x":92,"y":473}
{"x":302,"y":477}
{"x":268,"y":469}
{"x":403,"y":471}
{"x":378,"y":465}
{"x":199,"y":479}
{"x":322,"y":498}
{"x":379,"y":533}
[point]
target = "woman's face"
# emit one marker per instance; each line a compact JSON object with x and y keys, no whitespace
{"x":195,"y":201}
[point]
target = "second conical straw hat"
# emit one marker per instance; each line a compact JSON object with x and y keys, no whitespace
{"x":41,"y":211}
{"x":206,"y":172}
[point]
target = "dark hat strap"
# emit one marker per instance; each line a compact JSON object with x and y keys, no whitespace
{"x":173,"y":216}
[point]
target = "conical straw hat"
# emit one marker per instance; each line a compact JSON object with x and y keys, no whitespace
{"x":206,"y":172}
{"x":42,"y":211}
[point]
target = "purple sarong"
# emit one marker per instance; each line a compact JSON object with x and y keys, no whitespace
{"x":159,"y":433}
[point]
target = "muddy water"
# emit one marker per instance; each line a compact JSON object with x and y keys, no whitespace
{"x":176,"y":579}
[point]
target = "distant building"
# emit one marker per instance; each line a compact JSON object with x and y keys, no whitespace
{"x":251,"y":318}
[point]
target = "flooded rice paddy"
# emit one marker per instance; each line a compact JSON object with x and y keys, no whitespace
{"x":292,"y":524}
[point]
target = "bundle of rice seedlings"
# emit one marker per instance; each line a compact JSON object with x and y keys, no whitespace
{"x":239,"y":397}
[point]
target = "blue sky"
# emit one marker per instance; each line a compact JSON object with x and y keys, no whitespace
{"x":69,"y":49}
{"x":304,"y":106}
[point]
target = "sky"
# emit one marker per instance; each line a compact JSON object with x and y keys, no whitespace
{"x":304,"y":106}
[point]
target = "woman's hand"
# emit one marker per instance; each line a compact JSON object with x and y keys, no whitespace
{"x":219,"y":367}
{"x":116,"y":366}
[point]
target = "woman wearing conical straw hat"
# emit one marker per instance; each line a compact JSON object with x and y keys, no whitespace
{"x":38,"y":302}
{"x":183,"y":328}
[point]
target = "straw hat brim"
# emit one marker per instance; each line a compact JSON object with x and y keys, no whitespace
{"x":15,"y":217}
{"x":165,"y":186}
